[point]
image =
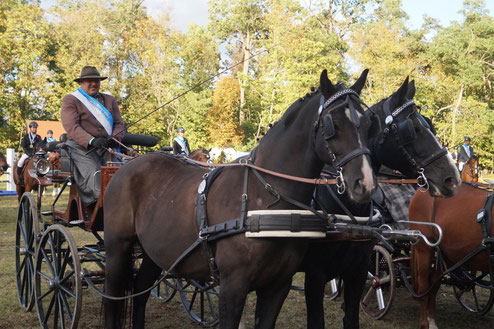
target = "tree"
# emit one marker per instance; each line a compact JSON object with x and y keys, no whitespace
{"x":239,"y":23}
{"x":223,"y":116}
{"x":24,"y":83}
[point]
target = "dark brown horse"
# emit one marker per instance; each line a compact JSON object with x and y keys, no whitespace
{"x":201,"y":154}
{"x":461,"y":235}
{"x":327,"y":126}
{"x":470,"y":172}
{"x":3,"y":164}
{"x":405,"y":143}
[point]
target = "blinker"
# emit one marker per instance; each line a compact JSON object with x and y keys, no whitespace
{"x":388,"y":120}
{"x":406,"y":131}
{"x":424,"y":122}
{"x":328,"y":127}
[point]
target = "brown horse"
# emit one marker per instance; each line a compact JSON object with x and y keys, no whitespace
{"x":55,"y":164}
{"x":470,"y":172}
{"x":29,"y":182}
{"x":461,"y":235}
{"x":3,"y":164}
{"x":201,"y":155}
{"x":327,"y":126}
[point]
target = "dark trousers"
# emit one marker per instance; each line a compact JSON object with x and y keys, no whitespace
{"x":86,"y":170}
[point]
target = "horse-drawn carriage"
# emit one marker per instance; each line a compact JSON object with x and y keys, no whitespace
{"x":240,"y":226}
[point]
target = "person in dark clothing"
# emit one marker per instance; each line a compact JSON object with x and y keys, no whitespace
{"x":180,"y":143}
{"x":466,"y":153}
{"x":29,"y":143}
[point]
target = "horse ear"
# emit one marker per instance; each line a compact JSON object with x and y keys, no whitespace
{"x":400,"y":96}
{"x":210,"y":149}
{"x":411,"y":90}
{"x":359,"y":85}
{"x":327,"y":88}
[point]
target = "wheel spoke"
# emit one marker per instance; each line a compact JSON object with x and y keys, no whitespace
{"x":66,"y":306}
{"x":48,"y":262}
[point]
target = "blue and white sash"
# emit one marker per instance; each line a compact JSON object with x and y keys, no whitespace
{"x":50,"y":139}
{"x":467,"y":150}
{"x":181,"y":142}
{"x":97,"y":110}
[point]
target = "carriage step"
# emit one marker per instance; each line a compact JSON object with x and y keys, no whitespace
{"x":47,"y":213}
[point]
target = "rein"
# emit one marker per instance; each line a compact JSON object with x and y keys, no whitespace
{"x":244,"y":163}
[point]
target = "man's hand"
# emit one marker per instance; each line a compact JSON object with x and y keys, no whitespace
{"x":100,"y":143}
{"x":113,"y":144}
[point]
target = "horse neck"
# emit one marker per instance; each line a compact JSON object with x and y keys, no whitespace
{"x":375,"y":132}
{"x":289,"y":148}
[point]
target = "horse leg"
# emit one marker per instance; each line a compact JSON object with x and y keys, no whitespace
{"x":421,"y":261}
{"x":431,"y":299}
{"x":147,"y":275}
{"x":232,"y":297}
{"x":269,"y":302}
{"x":315,"y":281}
{"x":118,"y":276}
{"x":354,"y":278}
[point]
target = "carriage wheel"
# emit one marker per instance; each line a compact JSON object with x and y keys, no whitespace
{"x":26,"y":235}
{"x":166,"y":289}
{"x":200,"y":301}
{"x":380,"y":286}
{"x":475,"y":295}
{"x":57,"y":279}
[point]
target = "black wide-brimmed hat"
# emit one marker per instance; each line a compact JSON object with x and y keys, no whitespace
{"x":89,"y":72}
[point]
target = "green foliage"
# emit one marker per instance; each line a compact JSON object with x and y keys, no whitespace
{"x":280,"y":47}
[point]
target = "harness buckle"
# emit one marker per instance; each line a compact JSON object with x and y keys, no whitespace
{"x":340,"y":185}
{"x":422,"y":181}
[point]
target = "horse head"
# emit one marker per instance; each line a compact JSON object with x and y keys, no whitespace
{"x":3,"y":164}
{"x":403,"y":139}
{"x":54,"y":160}
{"x":201,"y":155}
{"x":470,"y":172}
{"x":336,"y":134}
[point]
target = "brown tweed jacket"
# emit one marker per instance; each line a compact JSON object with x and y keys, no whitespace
{"x":81,"y":125}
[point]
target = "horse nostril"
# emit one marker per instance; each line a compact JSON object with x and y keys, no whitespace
{"x":451,"y":181}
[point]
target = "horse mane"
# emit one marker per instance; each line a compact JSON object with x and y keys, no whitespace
{"x":294,"y":110}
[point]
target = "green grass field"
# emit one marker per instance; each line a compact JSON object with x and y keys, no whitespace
{"x":403,"y":313}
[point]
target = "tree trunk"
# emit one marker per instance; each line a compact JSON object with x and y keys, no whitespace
{"x":456,"y":107}
{"x":245,"y":72}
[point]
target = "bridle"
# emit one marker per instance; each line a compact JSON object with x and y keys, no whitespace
{"x":325,"y":122}
{"x":404,"y":133}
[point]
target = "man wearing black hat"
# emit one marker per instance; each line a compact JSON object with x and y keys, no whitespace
{"x":90,"y":118}
{"x":466,"y":153}
{"x":180,"y":143}
{"x":28,"y":143}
